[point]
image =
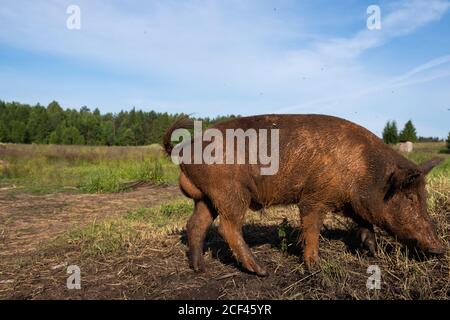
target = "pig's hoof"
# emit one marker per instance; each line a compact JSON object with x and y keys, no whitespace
{"x":367,"y":240}
{"x":199,"y":269}
{"x":198,"y":265}
{"x":312,"y":263}
{"x":262,"y":272}
{"x":371,"y":246}
{"x":255,"y":268}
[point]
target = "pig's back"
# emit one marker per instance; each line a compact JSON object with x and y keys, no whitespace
{"x":319,"y":155}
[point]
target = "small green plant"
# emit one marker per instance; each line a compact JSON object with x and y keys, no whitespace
{"x":282,"y":235}
{"x":150,"y":170}
{"x":103,"y":180}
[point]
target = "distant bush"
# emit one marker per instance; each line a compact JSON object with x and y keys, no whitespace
{"x":429,"y":139}
{"x":448,"y":142}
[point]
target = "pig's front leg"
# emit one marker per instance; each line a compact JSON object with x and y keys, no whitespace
{"x":365,"y":235}
{"x":311,"y":223}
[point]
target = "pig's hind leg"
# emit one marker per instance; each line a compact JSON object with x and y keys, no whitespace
{"x":197,"y":227}
{"x":232,"y":215}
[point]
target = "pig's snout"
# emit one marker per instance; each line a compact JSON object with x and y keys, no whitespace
{"x":435,"y":251}
{"x":426,"y":238}
{"x":434,"y":248}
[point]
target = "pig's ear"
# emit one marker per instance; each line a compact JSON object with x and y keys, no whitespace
{"x":430,"y":164}
{"x":406,"y":176}
{"x":400,"y":179}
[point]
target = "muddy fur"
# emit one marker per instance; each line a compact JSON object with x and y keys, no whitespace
{"x":326,"y":164}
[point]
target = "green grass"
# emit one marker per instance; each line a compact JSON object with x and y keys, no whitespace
{"x":427,"y":150}
{"x":121,"y":235}
{"x":162,"y":215}
{"x":106,"y":178}
{"x":50,"y":168}
{"x":101,"y":239}
{"x":438,"y":180}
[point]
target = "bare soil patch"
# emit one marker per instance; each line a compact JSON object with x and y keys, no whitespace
{"x":27,"y":220}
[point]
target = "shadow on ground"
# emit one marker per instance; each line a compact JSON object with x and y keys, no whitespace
{"x":257,"y":235}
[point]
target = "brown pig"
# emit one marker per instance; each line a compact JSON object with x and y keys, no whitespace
{"x":326,"y":164}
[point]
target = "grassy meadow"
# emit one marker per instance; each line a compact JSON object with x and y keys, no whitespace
{"x":50,"y":168}
{"x":141,"y":252}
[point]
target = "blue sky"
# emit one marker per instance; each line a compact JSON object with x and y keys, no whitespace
{"x":236,"y":56}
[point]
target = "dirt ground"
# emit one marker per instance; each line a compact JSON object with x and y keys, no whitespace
{"x":157,"y":267}
{"x":27,"y":220}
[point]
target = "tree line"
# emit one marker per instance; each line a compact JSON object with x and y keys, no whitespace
{"x":391,"y":135}
{"x":23,"y":123}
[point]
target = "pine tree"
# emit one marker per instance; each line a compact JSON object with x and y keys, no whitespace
{"x":4,"y":136}
{"x":18,"y":132}
{"x":108,"y":135}
{"x":409,"y":132}
{"x":55,"y":115}
{"x":71,"y":135}
{"x":53,"y":138}
{"x":127,"y":138}
{"x":37,"y":126}
{"x":390,"y":133}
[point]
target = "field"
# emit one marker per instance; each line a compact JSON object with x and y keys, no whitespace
{"x":117,"y":213}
